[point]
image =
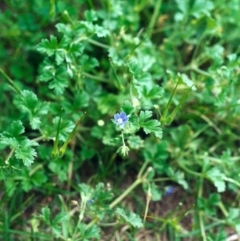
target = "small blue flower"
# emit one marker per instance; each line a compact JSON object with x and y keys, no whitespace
{"x":90,"y":201}
{"x":169,"y":190}
{"x":121,"y":119}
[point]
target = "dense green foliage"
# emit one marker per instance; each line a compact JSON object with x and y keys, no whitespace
{"x":111,"y":107}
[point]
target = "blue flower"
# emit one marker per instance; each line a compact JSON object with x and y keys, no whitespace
{"x":121,"y":119}
{"x":169,"y":190}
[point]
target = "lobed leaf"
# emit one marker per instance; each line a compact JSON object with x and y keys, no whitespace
{"x":132,"y":218}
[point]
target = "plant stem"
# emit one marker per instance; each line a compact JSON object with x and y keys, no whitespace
{"x":223,"y":209}
{"x":123,"y":139}
{"x":11,"y":82}
{"x":204,"y":238}
{"x":165,"y":112}
{"x":190,"y":171}
{"x":126,"y":192}
{"x":98,"y":43}
{"x":95,"y":77}
{"x":40,"y":138}
{"x":142,"y":169}
{"x":9,"y":156}
{"x":154,"y":17}
{"x":200,"y":214}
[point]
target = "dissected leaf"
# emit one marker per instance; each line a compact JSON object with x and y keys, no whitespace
{"x":48,"y":46}
{"x":29,"y":103}
{"x":150,"y":126}
{"x":217,"y":177}
{"x":127,"y":107}
{"x":25,"y":152}
{"x":131,"y":218}
{"x":21,"y":145}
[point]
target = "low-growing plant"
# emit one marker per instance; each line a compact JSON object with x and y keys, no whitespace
{"x":111,"y":108}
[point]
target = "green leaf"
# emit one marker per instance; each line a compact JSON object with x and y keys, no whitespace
{"x":217,"y":177}
{"x":87,"y":153}
{"x":131,"y":218}
{"x":133,"y":125}
{"x":150,"y":126}
{"x":233,"y":214}
{"x":60,"y":217}
{"x":88,"y":63}
{"x":48,"y":46}
{"x":187,"y":81}
{"x":91,"y":233}
{"x":183,"y":5}
{"x":139,"y":76}
{"x":154,"y":92}
{"x":127,"y":107}
{"x":58,"y":85}
{"x":214,"y":199}
{"x":76,"y":49}
{"x":58,"y":76}
{"x":45,"y":216}
{"x":65,"y":128}
{"x":25,"y":152}
{"x":60,"y":168}
{"x":60,"y":81}
{"x":47,"y":71}
{"x":135,"y":142}
{"x":15,"y":129}
{"x":20,"y":144}
{"x":60,"y":56}
{"x":81,"y":100}
{"x":144,"y":115}
{"x":35,"y":122}
{"x":13,"y":132}
{"x":156,"y":192}
{"x":101,"y":31}
{"x":90,"y":15}
{"x":28,"y":100}
{"x":202,"y":7}
{"x":29,"y":103}
{"x":9,"y":141}
{"x":64,"y":28}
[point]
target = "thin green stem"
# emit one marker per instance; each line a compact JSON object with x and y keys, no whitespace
{"x":97,"y":43}
{"x":200,"y":214}
{"x":40,"y":138}
{"x":123,"y":141}
{"x":223,"y":209}
{"x":126,"y":192}
{"x":162,"y":179}
{"x":35,"y":169}
{"x":165,"y":112}
{"x":190,"y":171}
{"x":95,"y":77}
{"x":154,"y":17}
{"x":90,"y":4}
{"x":142,"y":169}
{"x":204,"y":238}
{"x":55,"y":151}
{"x":66,"y":17}
{"x":202,"y":72}
{"x":210,"y":122}
{"x":70,"y":136}
{"x":115,"y":75}
{"x":11,"y":82}
{"x":9,"y":156}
